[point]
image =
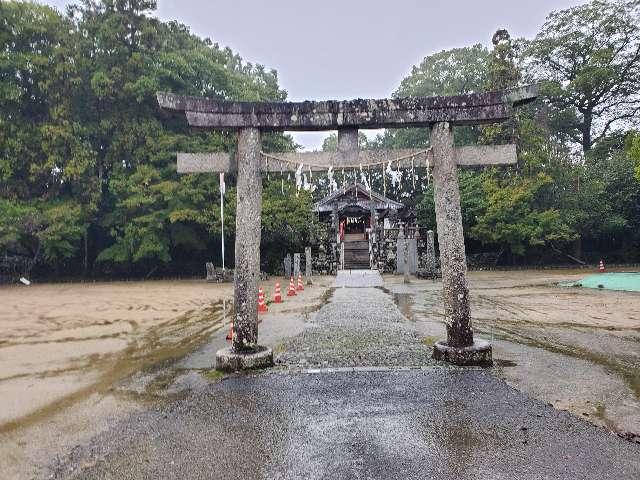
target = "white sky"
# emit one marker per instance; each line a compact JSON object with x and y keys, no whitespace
{"x":343,"y":49}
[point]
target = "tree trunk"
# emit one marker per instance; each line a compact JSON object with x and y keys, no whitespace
{"x":85,"y":261}
{"x":577,"y":250}
{"x":586,"y":131}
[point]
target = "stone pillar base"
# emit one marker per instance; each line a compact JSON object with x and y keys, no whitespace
{"x":478,"y":354}
{"x":227,"y":360}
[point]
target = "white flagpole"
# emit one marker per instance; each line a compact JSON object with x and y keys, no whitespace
{"x":222,"y":189}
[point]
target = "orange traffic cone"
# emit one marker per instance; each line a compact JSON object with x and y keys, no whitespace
{"x":262,"y":307}
{"x":601,"y":267}
{"x":300,"y":284}
{"x":230,"y":334}
{"x":278,"y":296}
{"x":292,"y":289}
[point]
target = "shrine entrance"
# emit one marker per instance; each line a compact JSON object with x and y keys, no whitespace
{"x":439,"y":114}
{"x":355,"y":226}
{"x":354,"y":214}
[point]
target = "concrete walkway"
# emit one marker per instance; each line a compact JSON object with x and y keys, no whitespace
{"x":344,"y":404}
{"x":358,"y":278}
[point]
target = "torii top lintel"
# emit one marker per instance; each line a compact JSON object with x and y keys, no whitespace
{"x":475,"y":108}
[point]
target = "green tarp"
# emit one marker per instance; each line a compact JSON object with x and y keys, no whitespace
{"x":628,"y":282}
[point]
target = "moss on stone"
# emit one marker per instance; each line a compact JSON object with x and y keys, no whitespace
{"x":213,"y":375}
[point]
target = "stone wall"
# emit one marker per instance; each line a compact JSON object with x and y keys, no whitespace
{"x":326,"y":260}
{"x":385,"y":252}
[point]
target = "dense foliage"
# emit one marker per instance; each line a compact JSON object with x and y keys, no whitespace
{"x":573,"y":193}
{"x":87,"y":161}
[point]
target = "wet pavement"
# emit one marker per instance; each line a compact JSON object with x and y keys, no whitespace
{"x":355,"y":395}
{"x":388,"y":424}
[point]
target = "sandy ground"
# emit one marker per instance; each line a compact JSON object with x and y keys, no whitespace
{"x":75,"y":358}
{"x":76,"y":339}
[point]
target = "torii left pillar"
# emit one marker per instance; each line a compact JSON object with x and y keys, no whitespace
{"x":245,"y":353}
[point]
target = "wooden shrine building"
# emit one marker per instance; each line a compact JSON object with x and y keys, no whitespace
{"x":357,"y":218}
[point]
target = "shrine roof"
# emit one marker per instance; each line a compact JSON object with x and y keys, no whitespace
{"x":326,"y":204}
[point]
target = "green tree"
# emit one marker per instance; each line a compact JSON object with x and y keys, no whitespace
{"x":287,"y":221}
{"x":45,"y":159}
{"x":450,"y":72}
{"x":502,"y":70}
{"x":502,"y":73}
{"x":588,"y":60}
{"x":472,"y":201}
{"x":39,"y":230}
{"x":633,"y":150}
{"x":513,"y":221}
{"x":149,"y":213}
{"x":83,"y":145}
{"x":41,"y":147}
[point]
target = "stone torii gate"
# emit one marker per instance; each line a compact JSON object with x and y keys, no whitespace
{"x":439,"y":114}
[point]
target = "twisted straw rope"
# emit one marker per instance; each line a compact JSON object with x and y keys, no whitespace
{"x":311,"y":164}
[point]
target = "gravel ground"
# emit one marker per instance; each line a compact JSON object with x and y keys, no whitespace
{"x":374,"y":334}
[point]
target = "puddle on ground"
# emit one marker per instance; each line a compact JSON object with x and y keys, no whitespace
{"x":459,"y":436}
{"x":429,"y":341}
{"x":404,"y":302}
{"x":629,"y":373}
{"x":498,"y":362}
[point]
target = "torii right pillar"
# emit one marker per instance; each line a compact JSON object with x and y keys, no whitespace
{"x":460,"y":348}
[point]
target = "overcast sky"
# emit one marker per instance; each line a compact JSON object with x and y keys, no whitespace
{"x":342,"y":49}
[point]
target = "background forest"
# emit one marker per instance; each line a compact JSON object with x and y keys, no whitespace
{"x":88,"y":183}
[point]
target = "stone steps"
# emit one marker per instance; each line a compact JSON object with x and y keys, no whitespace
{"x":356,"y":258}
{"x":357,"y":266}
{"x":357,"y":245}
{"x":352,"y":237}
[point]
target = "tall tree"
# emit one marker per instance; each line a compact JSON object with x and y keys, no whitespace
{"x":44,"y":157}
{"x":84,"y":150}
{"x":633,"y":150}
{"x":514,"y":219}
{"x":502,"y":73}
{"x":449,"y":72}
{"x":588,"y":59}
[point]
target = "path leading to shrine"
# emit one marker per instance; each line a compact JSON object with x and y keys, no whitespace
{"x":360,"y":326}
{"x":356,"y":395}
